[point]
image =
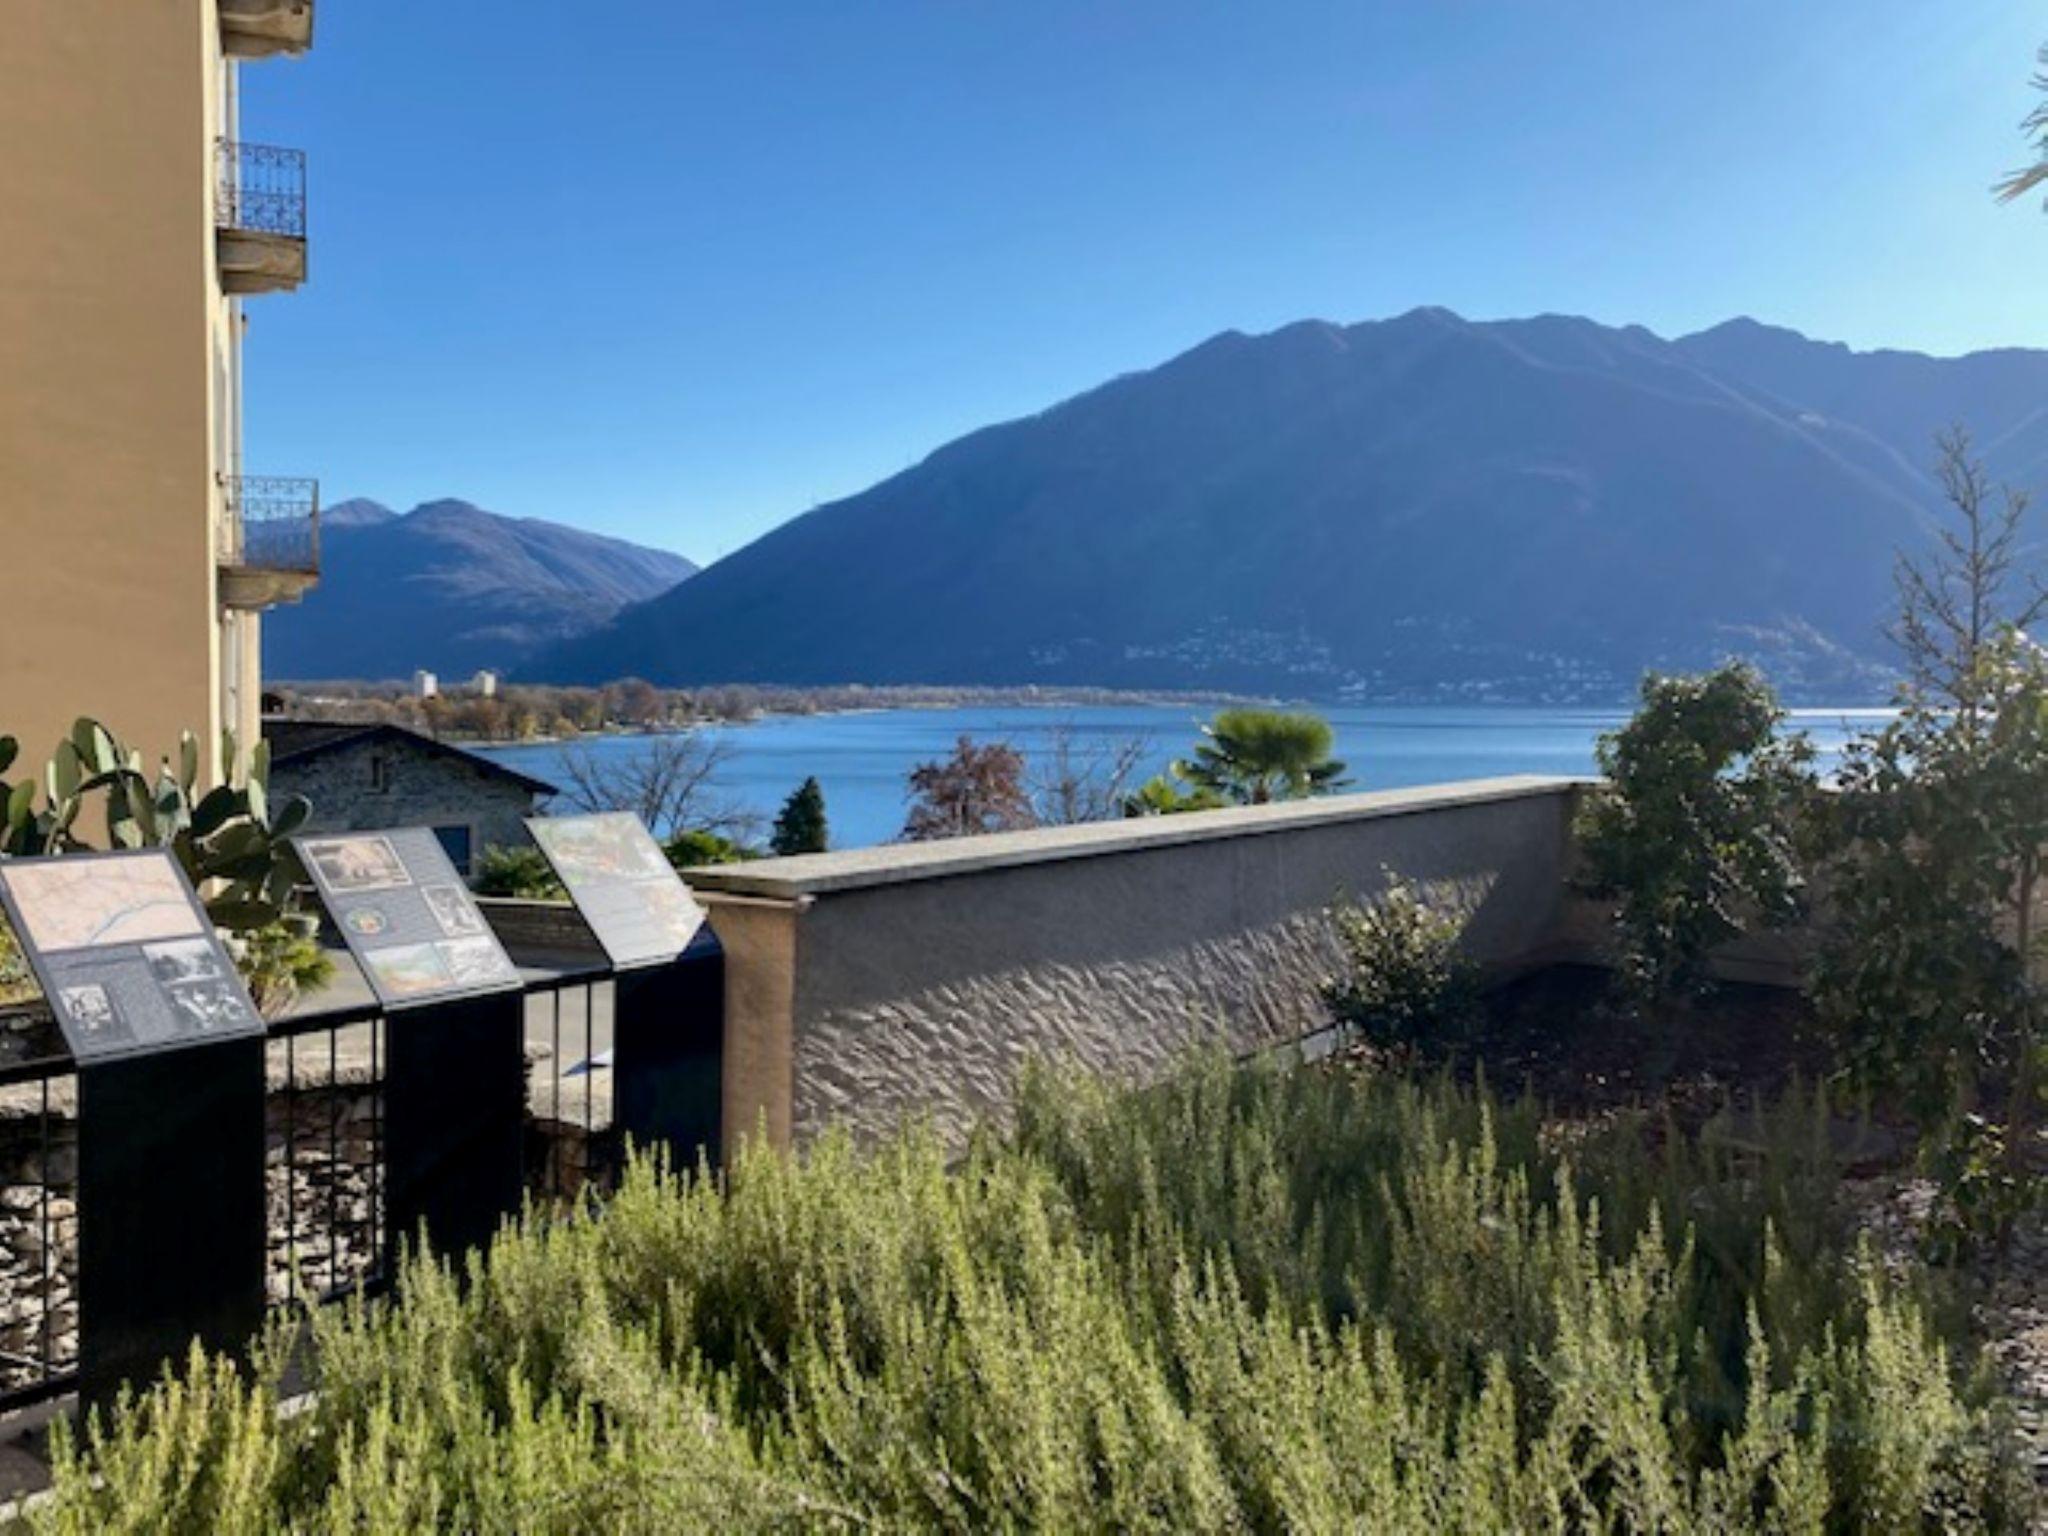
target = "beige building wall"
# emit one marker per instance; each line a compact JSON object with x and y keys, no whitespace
{"x":119,"y":372}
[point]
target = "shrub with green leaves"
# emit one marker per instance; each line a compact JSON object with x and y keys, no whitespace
{"x":1405,"y":982}
{"x":522,"y":874}
{"x":15,"y":981}
{"x":1694,"y":835}
{"x":281,"y":961}
{"x":687,"y":850}
{"x":1249,"y":1299}
{"x":1937,"y":848}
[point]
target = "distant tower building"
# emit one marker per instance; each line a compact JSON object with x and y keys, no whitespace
{"x":425,"y":684}
{"x":485,"y":683}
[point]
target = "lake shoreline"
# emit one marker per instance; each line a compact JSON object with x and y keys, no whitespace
{"x":862,"y":758}
{"x":926,"y":700}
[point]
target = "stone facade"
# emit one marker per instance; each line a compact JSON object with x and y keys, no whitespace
{"x":366,"y":778}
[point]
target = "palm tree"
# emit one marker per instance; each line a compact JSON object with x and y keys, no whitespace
{"x":2020,"y":183}
{"x":1253,"y":756}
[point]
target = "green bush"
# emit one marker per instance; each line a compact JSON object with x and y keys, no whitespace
{"x":1246,"y":1300}
{"x":1694,"y":833}
{"x":280,"y":961}
{"x":1405,"y":981}
{"x":687,"y":850}
{"x":16,"y":983}
{"x":522,"y":874}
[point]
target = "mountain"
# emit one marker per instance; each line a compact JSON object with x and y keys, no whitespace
{"x":451,"y":587}
{"x":1420,"y":507}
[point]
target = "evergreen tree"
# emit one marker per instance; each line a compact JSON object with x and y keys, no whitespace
{"x":800,"y":825}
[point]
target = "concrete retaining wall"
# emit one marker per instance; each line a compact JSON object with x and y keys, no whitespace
{"x":918,"y":978}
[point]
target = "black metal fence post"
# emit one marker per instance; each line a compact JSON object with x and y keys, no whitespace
{"x":668,"y":1031}
{"x":171,"y":1209}
{"x":454,"y":1121}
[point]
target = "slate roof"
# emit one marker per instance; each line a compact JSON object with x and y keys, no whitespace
{"x":294,"y":740}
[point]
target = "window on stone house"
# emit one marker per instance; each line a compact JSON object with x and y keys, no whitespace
{"x":456,"y":841}
{"x":380,"y":772}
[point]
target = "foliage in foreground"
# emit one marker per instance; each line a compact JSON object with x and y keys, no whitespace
{"x":1249,"y":1300}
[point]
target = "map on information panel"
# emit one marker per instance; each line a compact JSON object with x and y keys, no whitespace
{"x":124,"y":953}
{"x":76,"y":903}
{"x":405,"y":915}
{"x":622,"y":883}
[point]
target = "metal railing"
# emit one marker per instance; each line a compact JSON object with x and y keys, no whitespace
{"x":325,"y":1160}
{"x":38,"y":1213}
{"x":273,"y":524}
{"x":260,"y":189}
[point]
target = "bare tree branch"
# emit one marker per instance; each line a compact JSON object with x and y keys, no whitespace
{"x":1956,"y":603}
{"x":669,"y":780}
{"x":1075,"y":779}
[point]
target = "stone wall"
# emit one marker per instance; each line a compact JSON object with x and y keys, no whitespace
{"x":420,"y":789}
{"x":549,"y":927}
{"x":919,"y":978}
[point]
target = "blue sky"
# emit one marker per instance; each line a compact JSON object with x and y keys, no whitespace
{"x":679,"y":271}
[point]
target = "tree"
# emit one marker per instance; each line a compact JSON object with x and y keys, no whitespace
{"x":2021,"y":182}
{"x":978,"y":789}
{"x":670,"y":781}
{"x":1955,"y":606}
{"x":800,"y":825}
{"x":1170,"y":794}
{"x":635,"y":701}
{"x":1935,"y":840}
{"x":1693,"y":836}
{"x":1076,"y":779}
{"x":1252,"y":756}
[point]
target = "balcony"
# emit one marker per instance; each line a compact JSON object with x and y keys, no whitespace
{"x":259,"y":216}
{"x":270,"y":545}
{"x":260,"y":29}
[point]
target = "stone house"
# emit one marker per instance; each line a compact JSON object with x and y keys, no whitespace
{"x":361,"y":777}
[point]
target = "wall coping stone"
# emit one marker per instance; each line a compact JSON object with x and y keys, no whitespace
{"x":814,"y":874}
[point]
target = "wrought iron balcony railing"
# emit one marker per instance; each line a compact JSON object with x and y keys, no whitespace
{"x":273,"y":525}
{"x":260,"y":189}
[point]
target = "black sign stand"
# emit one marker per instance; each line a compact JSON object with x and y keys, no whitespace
{"x":454,"y":1121}
{"x":172,"y":1212}
{"x":668,"y":1052}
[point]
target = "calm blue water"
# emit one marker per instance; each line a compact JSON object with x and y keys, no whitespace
{"x":862,"y":759}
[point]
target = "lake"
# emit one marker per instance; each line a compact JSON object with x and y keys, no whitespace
{"x":861,"y":760}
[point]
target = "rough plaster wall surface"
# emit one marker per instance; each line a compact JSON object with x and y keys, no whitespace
{"x":950,"y":1054}
{"x":918,"y":981}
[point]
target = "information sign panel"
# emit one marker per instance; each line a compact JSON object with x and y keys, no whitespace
{"x":622,"y":883}
{"x":124,"y":952}
{"x":405,"y":915}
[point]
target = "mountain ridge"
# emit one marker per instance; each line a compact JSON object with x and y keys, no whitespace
{"x":451,"y":587}
{"x":1418,"y":507}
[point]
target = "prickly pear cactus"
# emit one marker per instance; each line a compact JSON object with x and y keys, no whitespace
{"x":94,"y":793}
